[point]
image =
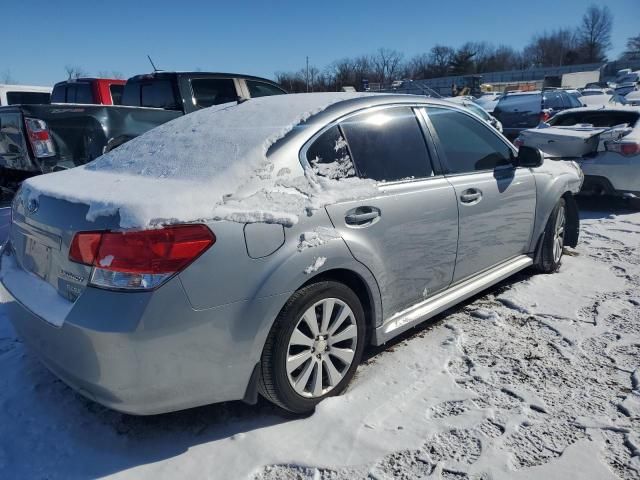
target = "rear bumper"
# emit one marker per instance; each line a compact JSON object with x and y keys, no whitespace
{"x":148,"y":353}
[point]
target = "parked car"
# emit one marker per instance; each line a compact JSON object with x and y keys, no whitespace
{"x":96,"y":91}
{"x":633,"y":98}
{"x":478,"y":110}
{"x":260,"y":248}
{"x":488,"y":101}
{"x":523,"y":110}
{"x":44,"y":138}
{"x":23,"y":94}
{"x":607,"y":142}
{"x":626,"y":88}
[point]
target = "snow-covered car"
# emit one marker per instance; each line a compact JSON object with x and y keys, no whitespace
{"x":601,"y":97}
{"x":604,"y":141}
{"x":259,"y":247}
{"x":473,"y":106}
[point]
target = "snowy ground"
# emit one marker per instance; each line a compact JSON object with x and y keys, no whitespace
{"x":537,"y":378}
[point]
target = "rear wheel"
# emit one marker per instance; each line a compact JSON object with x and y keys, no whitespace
{"x":314,"y":347}
{"x":552,"y":247}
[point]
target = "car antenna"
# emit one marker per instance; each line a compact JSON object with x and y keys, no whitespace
{"x":152,"y":64}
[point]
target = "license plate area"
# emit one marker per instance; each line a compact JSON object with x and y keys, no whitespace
{"x":37,"y":258}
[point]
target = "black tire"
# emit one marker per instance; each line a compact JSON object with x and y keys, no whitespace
{"x":274,"y":382}
{"x":548,"y":262}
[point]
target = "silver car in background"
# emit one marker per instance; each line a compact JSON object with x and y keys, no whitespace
{"x":195,"y":312}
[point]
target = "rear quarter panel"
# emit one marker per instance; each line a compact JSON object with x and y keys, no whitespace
{"x":553,"y":179}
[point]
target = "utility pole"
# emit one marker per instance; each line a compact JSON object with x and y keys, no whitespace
{"x":307,"y":75}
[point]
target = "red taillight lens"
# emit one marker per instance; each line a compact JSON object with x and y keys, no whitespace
{"x":84,"y":247}
{"x":141,"y":259}
{"x":39,"y":138}
{"x":624,"y":148}
{"x":544,"y":116}
{"x":518,"y":142}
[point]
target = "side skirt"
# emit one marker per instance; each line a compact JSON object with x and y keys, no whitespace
{"x":430,"y":307}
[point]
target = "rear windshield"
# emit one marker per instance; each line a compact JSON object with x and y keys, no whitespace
{"x":153,"y":93}
{"x":73,"y":93}
{"x":597,"y":119}
{"x":520,"y":103}
{"x":17,"y":98}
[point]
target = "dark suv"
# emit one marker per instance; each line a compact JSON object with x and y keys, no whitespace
{"x":522,"y":110}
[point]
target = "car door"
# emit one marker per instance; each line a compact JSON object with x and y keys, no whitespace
{"x":496,"y":201}
{"x":407,"y":233}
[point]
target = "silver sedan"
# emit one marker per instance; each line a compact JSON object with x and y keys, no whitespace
{"x":372,"y":214}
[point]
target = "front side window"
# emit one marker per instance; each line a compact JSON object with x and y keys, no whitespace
{"x":467,"y":144}
{"x":387,"y":144}
{"x":329,"y":155}
{"x":262,"y":89}
{"x":213,"y":91}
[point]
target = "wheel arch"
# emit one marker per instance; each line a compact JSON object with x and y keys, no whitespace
{"x":360,"y":287}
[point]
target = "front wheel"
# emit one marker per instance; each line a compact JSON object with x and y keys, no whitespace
{"x":314,"y":347}
{"x":552,"y":246}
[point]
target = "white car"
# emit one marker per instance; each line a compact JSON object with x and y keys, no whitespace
{"x":488,"y":101}
{"x":592,"y":97}
{"x":605,"y":140}
{"x":633,"y":98}
{"x":473,"y":106}
{"x":24,"y":94}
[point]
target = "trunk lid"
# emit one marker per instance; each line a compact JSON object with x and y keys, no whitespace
{"x":41,"y":232}
{"x":574,"y":141}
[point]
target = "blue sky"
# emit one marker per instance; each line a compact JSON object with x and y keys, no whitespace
{"x":40,"y":37}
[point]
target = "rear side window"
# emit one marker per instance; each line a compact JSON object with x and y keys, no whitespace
{"x":468,"y":145}
{"x":519,"y":103}
{"x":387,"y":145}
{"x":329,"y":155}
{"x":213,"y":91}
{"x":262,"y":89}
{"x":116,"y":93}
{"x":24,"y":98}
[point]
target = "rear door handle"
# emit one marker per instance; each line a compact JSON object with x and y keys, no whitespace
{"x":362,"y":216}
{"x":471,"y":195}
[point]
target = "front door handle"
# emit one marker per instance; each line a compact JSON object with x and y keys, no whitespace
{"x":471,"y":195}
{"x":362,"y":216}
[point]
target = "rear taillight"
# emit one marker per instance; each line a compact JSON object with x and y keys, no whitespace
{"x":139,"y":260}
{"x":39,"y":138}
{"x":518,"y":142}
{"x":623,"y":148}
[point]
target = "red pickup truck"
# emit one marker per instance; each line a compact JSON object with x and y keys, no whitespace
{"x":89,"y":91}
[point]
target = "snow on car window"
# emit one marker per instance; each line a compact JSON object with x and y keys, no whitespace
{"x":329,"y":155}
{"x":211,"y":164}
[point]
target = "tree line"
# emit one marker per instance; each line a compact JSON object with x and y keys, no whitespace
{"x":586,"y":43}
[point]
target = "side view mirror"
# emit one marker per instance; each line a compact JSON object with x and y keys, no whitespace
{"x":529,"y":157}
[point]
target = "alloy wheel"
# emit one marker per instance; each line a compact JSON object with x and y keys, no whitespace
{"x":321,"y":347}
{"x":558,"y":235}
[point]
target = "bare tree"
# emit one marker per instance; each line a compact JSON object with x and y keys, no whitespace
{"x":110,"y":74}
{"x":75,"y":72}
{"x":440,"y":58}
{"x":386,"y":64}
{"x":7,"y":78}
{"x":595,"y":33}
{"x":633,"y":49}
{"x":559,"y":47}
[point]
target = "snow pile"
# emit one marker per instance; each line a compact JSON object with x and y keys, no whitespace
{"x":210,"y":164}
{"x":317,"y":264}
{"x":318,"y":236}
